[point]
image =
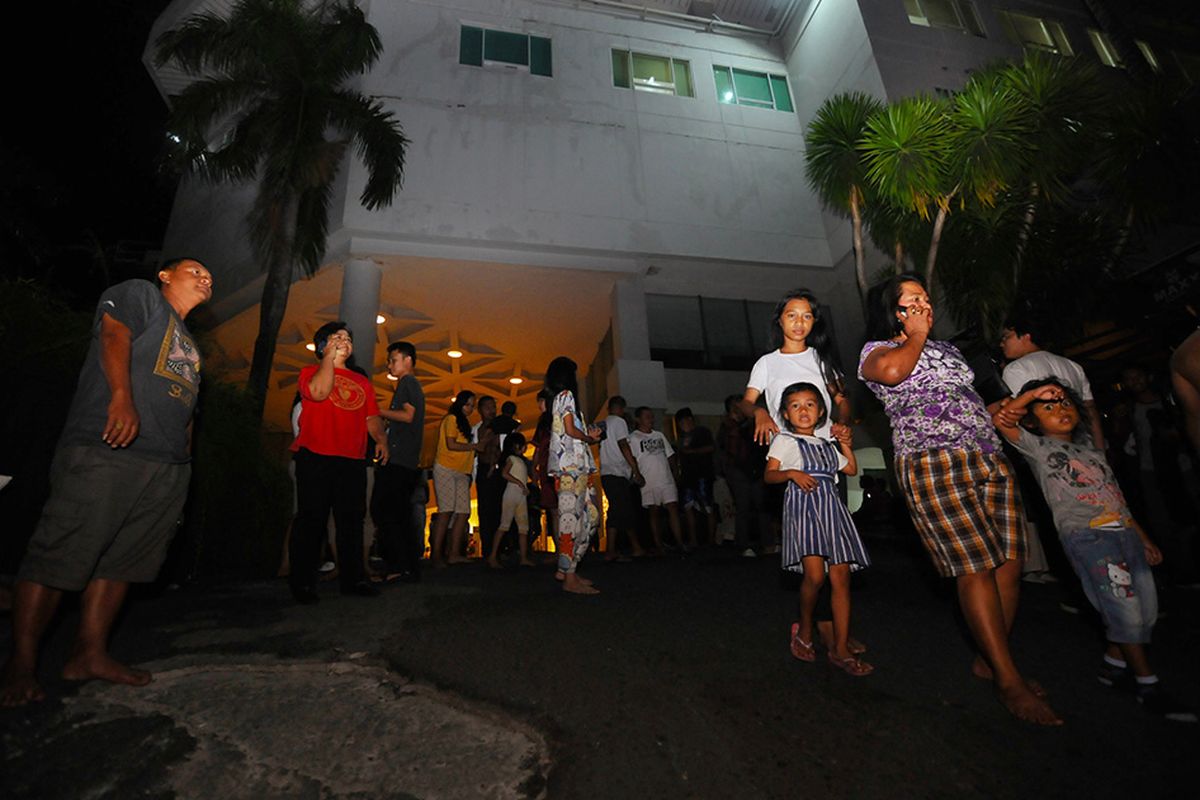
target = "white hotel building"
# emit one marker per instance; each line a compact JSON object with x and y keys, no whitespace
{"x":619,"y":182}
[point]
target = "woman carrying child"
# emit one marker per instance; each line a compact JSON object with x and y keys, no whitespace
{"x":571,"y":465}
{"x":513,"y":506}
{"x":1108,"y":550}
{"x":818,"y":533}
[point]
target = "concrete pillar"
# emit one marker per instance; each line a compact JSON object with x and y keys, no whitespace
{"x":361,"y":281}
{"x":634,"y":375}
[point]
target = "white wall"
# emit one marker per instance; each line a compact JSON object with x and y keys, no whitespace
{"x":510,"y":159}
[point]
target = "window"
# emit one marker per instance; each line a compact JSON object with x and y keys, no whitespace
{"x":480,"y":47}
{"x":1106,"y":51}
{"x":741,"y":87}
{"x":1035,"y":33}
{"x":707,"y":332}
{"x":657,"y":74}
{"x":1148,"y":54}
{"x":957,"y":15}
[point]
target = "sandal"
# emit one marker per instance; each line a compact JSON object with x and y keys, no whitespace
{"x":802,"y":650}
{"x":851,"y":665}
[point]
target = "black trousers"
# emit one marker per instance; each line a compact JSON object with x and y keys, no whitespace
{"x":489,"y":494}
{"x":749,"y":505}
{"x":325,"y":483}
{"x":392,"y":506}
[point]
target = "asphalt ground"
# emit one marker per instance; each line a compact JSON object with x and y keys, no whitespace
{"x":675,"y":682}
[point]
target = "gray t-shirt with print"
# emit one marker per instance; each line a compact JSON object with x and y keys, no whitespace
{"x":1078,"y":484}
{"x":164,"y":374}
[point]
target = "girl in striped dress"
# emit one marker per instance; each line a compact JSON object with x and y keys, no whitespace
{"x":818,"y":534}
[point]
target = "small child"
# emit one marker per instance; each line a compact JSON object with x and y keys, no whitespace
{"x":818,"y":533}
{"x":513,"y":506}
{"x":1108,"y":550}
{"x":658,"y":465}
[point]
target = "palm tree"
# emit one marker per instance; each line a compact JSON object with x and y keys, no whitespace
{"x":275,"y":76}
{"x":834,"y":165}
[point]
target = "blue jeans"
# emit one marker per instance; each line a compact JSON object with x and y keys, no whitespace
{"x":1111,"y":565}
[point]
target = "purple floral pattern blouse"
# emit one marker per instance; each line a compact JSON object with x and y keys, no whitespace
{"x":934,"y":408}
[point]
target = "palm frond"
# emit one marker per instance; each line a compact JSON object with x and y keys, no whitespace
{"x":833,"y":163}
{"x":905,"y":148}
{"x":379,"y":142}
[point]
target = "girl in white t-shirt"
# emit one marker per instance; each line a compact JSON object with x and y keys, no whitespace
{"x":806,"y":354}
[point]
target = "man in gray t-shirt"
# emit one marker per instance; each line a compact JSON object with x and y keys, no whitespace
{"x":401,"y":544}
{"x":119,"y":479}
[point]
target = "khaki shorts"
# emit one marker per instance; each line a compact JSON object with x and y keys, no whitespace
{"x":111,"y":515}
{"x":452,"y":490}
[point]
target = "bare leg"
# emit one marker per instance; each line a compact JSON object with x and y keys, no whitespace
{"x":690,"y":516}
{"x":437,"y":548}
{"x":493,"y":559}
{"x":523,"y":546}
{"x":1008,"y":582}
{"x":673,"y":522}
{"x":33,"y":608}
{"x":810,"y":587}
{"x":980,"y":599}
{"x":1134,"y":655}
{"x":655,"y":530}
{"x":839,"y":582}
{"x":458,"y":532}
{"x":102,"y":600}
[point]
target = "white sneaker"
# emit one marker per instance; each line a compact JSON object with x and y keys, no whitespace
{"x":328,"y":566}
{"x":749,"y":553}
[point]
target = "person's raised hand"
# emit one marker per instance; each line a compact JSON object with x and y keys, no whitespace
{"x":918,"y":320}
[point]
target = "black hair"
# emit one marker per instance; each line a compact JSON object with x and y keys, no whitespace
{"x":546,"y":419}
{"x":456,"y":408}
{"x":508,"y":408}
{"x":329,"y":329}
{"x":485,"y":398}
{"x":403,"y":347}
{"x":169,"y":265}
{"x":514,"y":444}
{"x":883,"y":299}
{"x":637,"y":412}
{"x":682,"y":414}
{"x":616,"y":400}
{"x":731,"y":401}
{"x":802,"y":387}
{"x":1082,"y":429}
{"x":820,"y":338}
{"x":1022,"y":322}
{"x":560,"y":377}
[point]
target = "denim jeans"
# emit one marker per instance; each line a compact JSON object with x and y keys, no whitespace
{"x":1111,"y":565}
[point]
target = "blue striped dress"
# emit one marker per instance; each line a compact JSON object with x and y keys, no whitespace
{"x":817,"y":523}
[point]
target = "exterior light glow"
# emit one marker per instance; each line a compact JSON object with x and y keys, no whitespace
{"x":454,"y":353}
{"x":392,"y":377}
{"x":380,"y":319}
{"x":728,"y":96}
{"x":516,"y":380}
{"x":312,"y":348}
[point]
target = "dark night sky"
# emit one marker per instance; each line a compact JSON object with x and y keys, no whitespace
{"x":85,"y":122}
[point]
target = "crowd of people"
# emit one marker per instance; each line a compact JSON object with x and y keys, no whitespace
{"x":985,"y":484}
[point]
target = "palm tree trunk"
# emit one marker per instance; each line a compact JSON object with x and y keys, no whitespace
{"x":860,"y":259}
{"x":899,"y":256}
{"x":939,"y":222}
{"x":273,"y":305}
{"x":1026,"y":230}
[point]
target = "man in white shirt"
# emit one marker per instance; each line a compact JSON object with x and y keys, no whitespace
{"x":1027,"y":361}
{"x":619,"y":472}
{"x":659,"y":467}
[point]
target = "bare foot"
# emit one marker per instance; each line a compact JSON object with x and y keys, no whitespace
{"x":1024,"y":704}
{"x":525,"y":562}
{"x":19,"y":686}
{"x":576,"y":585}
{"x":457,"y":560}
{"x":983,"y":670}
{"x":437,"y":563}
{"x":494,"y":564}
{"x":103,"y":667}
{"x":825,"y":629}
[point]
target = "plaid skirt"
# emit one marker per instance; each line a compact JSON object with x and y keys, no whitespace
{"x":966,"y":508}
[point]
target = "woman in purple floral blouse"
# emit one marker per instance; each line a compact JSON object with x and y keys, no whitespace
{"x":959,"y":486}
